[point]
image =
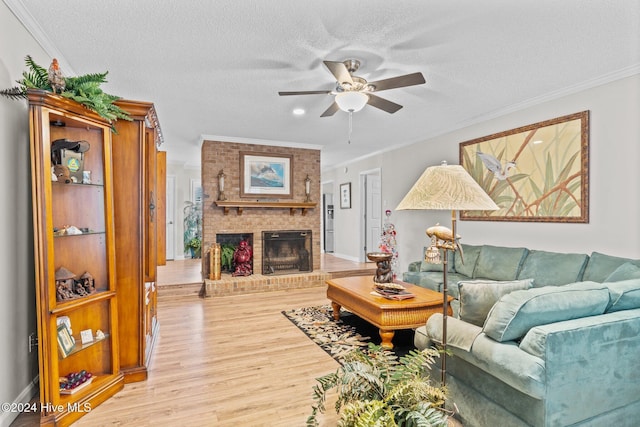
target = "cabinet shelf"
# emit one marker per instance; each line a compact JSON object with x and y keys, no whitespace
{"x":78,"y":346}
{"x":77,"y":184}
{"x":84,"y":233}
{"x":240,"y":205}
{"x":67,"y":306}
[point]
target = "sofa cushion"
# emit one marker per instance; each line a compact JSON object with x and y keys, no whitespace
{"x":626,"y":271}
{"x":623,"y":295}
{"x":553,"y":268}
{"x":429,"y":280}
{"x":517,"y":312}
{"x":499,"y":263}
{"x":433,"y":280}
{"x":470,"y":254}
{"x":426,"y":266}
{"x":600,"y":266}
{"x":459,"y":334}
{"x":478,"y":296}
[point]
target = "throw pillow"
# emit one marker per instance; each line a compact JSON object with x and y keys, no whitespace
{"x":553,"y":268}
{"x":499,"y":262}
{"x":625,"y":272}
{"x":517,"y":312}
{"x":426,"y":266}
{"x":624,"y":295}
{"x":600,"y":266}
{"x":470,"y":254}
{"x":478,"y":296}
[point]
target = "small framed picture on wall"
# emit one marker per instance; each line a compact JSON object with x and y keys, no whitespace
{"x":345,"y":196}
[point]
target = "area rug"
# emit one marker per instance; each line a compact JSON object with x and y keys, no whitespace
{"x":345,"y":335}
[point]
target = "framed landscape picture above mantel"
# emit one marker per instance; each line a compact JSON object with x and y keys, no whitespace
{"x":535,"y":173}
{"x":263,"y":174}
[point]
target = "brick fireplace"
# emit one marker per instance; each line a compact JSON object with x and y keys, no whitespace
{"x":254,"y":220}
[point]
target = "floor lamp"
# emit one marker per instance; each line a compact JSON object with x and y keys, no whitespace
{"x":445,"y":187}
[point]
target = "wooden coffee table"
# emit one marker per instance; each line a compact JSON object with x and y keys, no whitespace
{"x":354,"y":294}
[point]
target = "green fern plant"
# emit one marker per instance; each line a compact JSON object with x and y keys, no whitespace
{"x":376,"y":389}
{"x":83,"y":89}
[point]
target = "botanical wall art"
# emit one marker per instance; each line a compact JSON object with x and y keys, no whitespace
{"x":537,"y":173}
{"x":265,"y":175}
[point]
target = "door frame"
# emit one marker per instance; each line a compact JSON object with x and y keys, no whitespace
{"x":362,"y":257}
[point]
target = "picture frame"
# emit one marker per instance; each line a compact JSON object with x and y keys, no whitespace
{"x":345,"y":195}
{"x":534,"y":173}
{"x":266,"y":174}
{"x":65,"y":340}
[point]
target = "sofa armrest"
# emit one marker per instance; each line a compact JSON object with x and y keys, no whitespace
{"x":591,"y":364}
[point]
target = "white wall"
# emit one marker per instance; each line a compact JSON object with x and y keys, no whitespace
{"x":17,"y":287}
{"x":614,"y":181}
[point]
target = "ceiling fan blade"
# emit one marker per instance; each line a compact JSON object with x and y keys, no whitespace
{"x":306,"y":92}
{"x":400,"y":81}
{"x":339,"y":71}
{"x":383,"y":104}
{"x":333,"y":108}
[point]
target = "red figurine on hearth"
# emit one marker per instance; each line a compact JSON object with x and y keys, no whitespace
{"x":242,"y":258}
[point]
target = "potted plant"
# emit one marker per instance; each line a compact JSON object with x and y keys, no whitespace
{"x":374,"y":388}
{"x":193,"y":228}
{"x":195,"y":245}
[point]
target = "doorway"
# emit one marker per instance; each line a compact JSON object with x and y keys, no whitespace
{"x":371,"y":206}
{"x":170,"y":218}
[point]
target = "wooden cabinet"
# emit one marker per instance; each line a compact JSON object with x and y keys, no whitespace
{"x":136,"y":200}
{"x":73,"y":236}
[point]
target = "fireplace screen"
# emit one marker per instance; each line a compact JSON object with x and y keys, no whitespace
{"x":286,"y":252}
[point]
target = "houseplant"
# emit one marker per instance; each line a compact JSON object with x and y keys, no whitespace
{"x":84,"y":89}
{"x":375,"y":389}
{"x":192,"y":228}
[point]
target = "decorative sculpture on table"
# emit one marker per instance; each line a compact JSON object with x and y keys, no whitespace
{"x":384,"y":274}
{"x":242,"y":259}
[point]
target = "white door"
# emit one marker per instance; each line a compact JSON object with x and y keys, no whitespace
{"x":171,"y":201}
{"x":373,"y":215}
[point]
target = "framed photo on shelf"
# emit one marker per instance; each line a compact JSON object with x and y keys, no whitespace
{"x":65,"y":340}
{"x":345,"y":196}
{"x":263,"y":174}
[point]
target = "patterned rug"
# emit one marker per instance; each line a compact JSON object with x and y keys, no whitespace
{"x":345,"y":335}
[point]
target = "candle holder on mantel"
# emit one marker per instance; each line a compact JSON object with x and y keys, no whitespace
{"x":383,"y":261}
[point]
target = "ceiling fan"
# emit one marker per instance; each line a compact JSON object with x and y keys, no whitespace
{"x":352,"y":93}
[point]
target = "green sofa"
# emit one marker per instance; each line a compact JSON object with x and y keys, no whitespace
{"x":538,"y":338}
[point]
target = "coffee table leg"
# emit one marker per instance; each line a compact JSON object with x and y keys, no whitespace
{"x":336,"y":310}
{"x":387,"y":337}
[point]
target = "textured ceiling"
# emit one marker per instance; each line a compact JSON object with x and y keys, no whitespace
{"x":215,"y":67}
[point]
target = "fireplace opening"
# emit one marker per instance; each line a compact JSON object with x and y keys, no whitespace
{"x":229,"y":242}
{"x":286,"y":252}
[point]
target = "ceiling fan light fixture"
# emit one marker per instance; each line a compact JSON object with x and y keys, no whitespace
{"x":351,"y":102}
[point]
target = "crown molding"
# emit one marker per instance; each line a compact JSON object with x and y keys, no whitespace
{"x":36,"y":31}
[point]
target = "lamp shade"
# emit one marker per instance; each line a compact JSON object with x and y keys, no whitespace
{"x":447,"y":187}
{"x":351,"y":101}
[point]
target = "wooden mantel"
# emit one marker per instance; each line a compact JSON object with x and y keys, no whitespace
{"x":240,"y":205}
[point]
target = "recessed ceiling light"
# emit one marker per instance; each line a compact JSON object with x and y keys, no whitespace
{"x":298,"y":111}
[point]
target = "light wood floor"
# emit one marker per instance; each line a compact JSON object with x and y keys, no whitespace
{"x":231,"y":361}
{"x":224,"y":361}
